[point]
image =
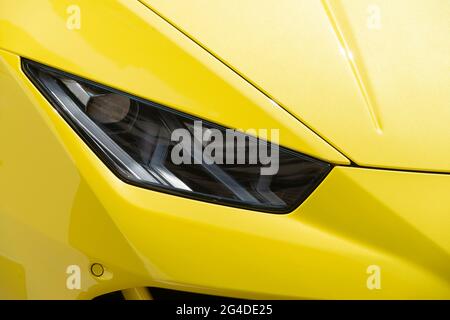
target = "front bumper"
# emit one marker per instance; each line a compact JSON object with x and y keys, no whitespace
{"x":61,"y":206}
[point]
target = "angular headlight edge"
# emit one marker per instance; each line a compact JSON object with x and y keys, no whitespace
{"x":133,"y":138}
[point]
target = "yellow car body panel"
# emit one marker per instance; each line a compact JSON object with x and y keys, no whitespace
{"x":147,"y":57}
{"x":359,"y":73}
{"x":61,"y":206}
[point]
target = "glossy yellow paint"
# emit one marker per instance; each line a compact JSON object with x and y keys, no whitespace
{"x":137,"y":294}
{"x":370,"y":76}
{"x":61,"y":206}
{"x":124,"y":45}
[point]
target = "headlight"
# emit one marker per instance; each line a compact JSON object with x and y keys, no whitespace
{"x":152,"y":146}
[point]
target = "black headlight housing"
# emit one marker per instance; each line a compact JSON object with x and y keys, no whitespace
{"x":134,"y":138}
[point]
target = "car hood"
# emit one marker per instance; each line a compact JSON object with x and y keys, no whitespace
{"x":371,"y":77}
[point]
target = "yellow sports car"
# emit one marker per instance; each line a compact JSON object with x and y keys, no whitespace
{"x":257,"y":149}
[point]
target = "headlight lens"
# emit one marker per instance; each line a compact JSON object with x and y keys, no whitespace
{"x":152,"y":146}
